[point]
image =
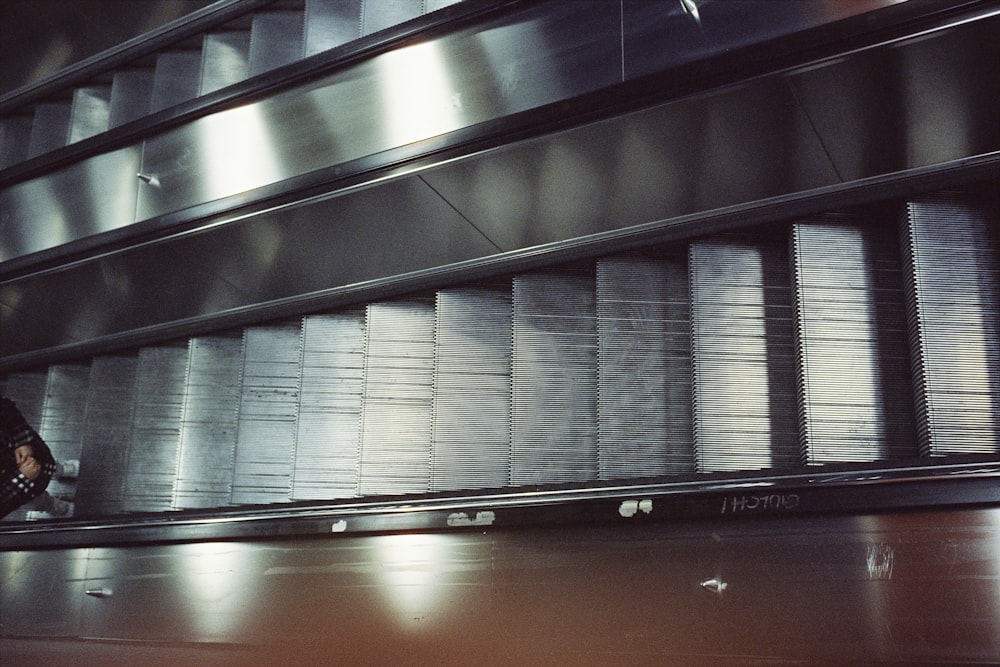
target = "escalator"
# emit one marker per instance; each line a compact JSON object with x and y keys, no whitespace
{"x":624,"y":315}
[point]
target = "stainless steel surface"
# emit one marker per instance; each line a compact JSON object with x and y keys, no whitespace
{"x":742,"y":354}
{"x":472,"y":387}
{"x":51,"y":214}
{"x":208,"y":426}
{"x":553,"y":434}
{"x":328,"y":433}
{"x":875,"y":587}
{"x":953,"y":302}
{"x":395,"y":453}
{"x":175,"y":78}
{"x":131,"y":95}
{"x":688,"y":156}
{"x":644,"y":363}
{"x":275,"y":40}
{"x":225,"y":59}
{"x":330,"y":23}
{"x":91,"y":112}
{"x":50,"y":127}
{"x":106,"y":438}
{"x":268,"y":414}
{"x":160,"y":394}
{"x":856,"y":393}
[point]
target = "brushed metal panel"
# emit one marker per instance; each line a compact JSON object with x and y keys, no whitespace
{"x":398,"y":398}
{"x":387,"y":13}
{"x":107,"y":435}
{"x":64,"y":417}
{"x":922,"y":101}
{"x":91,"y":112}
{"x":685,"y":32}
{"x":42,"y":593}
{"x":330,"y":23}
{"x":175,"y":79}
{"x":131,"y":94}
{"x":50,"y":129}
{"x":554,"y":379}
{"x":275,"y":40}
{"x":208,"y":425}
{"x":856,"y":397}
{"x":742,"y":355}
{"x":738,"y":144}
{"x":225,"y":60}
{"x":410,"y":94}
{"x":27,"y":390}
{"x":269,"y":408}
{"x":90,"y":197}
{"x":15,"y":135}
{"x":328,"y":435}
{"x":471,"y":444}
{"x":952,"y":255}
{"x":644,"y":367}
{"x":156,"y":429}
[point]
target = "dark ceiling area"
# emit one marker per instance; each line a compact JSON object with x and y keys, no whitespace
{"x":43,"y":36}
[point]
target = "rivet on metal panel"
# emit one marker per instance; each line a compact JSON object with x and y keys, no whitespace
{"x":715,"y":585}
{"x":630,"y":508}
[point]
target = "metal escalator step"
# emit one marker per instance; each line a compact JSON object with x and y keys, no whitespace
{"x":554,"y":379}
{"x":209,"y":422}
{"x":27,"y":390}
{"x":268,"y":413}
{"x":50,"y":128}
{"x":276,"y":40}
{"x":644,"y":362}
{"x":952,"y":257}
{"x":331,"y":23}
{"x":176,"y":78}
{"x":387,"y":13}
{"x":131,"y":96}
{"x":63,"y":417}
{"x":156,"y":429}
{"x":742,"y":355}
{"x":107,"y":435}
{"x":91,"y":113}
{"x":398,"y":398}
{"x":327,"y":445}
{"x":855,"y":392}
{"x":225,"y":60}
{"x":15,"y":136}
{"x":472,"y":388}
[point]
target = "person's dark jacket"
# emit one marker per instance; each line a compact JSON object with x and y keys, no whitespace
{"x":15,"y":488}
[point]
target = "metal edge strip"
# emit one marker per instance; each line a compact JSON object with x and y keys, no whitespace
{"x":800,"y":494}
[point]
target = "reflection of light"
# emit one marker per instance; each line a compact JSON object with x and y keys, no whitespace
{"x":217,"y":583}
{"x":417,"y":99}
{"x":237,"y":152}
{"x":410,"y":569}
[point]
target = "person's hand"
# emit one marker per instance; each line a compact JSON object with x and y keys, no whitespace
{"x":30,"y":468}
{"x":22,"y":453}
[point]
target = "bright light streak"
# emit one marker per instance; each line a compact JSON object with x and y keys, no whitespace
{"x":417,"y":98}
